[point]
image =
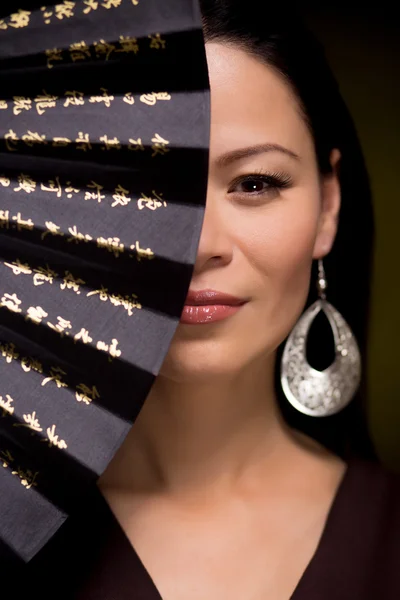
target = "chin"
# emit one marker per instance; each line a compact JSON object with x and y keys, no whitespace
{"x":183,"y":365}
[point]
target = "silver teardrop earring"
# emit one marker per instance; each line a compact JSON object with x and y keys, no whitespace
{"x":320,"y":393}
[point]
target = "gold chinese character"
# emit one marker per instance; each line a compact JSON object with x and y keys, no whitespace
{"x":3,"y":25}
{"x":12,"y":302}
{"x":20,"y":104}
{"x":102,"y":346}
{"x":135,"y":144}
{"x":11,"y":140}
{"x":61,"y":326}
{"x":28,"y":363}
{"x":28,"y":478}
{"x":125,"y":301}
{"x":115,"y":246}
{"x":82,"y":142}
{"x":4,"y":219}
{"x":51,"y":228}
{"x":141,"y":252}
{"x":19,"y":268}
{"x":85,"y":394}
{"x":110,"y":143}
{"x":54,"y":186}
{"x":129,"y":303}
{"x":71,"y":190}
{"x":23,"y":223}
{"x":78,"y":237}
{"x":116,"y":299}
{"x":8,"y":352}
{"x":114,"y":351}
{"x":65,"y":9}
{"x":55,"y":375}
{"x":102,"y":242}
{"x":135,"y":2}
{"x":152,"y":98}
{"x":151,"y":203}
{"x":36,"y":314}
{"x":4,"y":181}
{"x":159,"y":145}
{"x":45,"y":101}
{"x":19,"y":19}
{"x":43,"y":274}
{"x":60,"y":142}
{"x":53,"y":440}
{"x":149,"y":99}
{"x":91,"y":5}
{"x":111,"y":349}
{"x":75,"y":98}
{"x":103,"y":293}
{"x":26,"y":184}
{"x":163,"y":96}
{"x":84,"y":336}
{"x":128,"y":44}
{"x":119,"y":300}
{"x":156,"y":41}
{"x":47,"y":14}
{"x":6,"y":458}
{"x":53,"y":55}
{"x":129,"y":99}
{"x":71,"y":283}
{"x":105,"y":97}
{"x":33,"y":137}
{"x":3,"y":104}
{"x":111,"y":244}
{"x":103,"y":48}
{"x":94,"y":195}
{"x":120,"y":196}
{"x":79,"y":51}
{"x":111,"y":3}
{"x":31,"y":422}
{"x":5,"y":405}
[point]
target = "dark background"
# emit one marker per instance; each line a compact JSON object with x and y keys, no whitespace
{"x":363,"y":47}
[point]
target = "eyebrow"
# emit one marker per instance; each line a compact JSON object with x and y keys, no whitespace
{"x":230,"y":157}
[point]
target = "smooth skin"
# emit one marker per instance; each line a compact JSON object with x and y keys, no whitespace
{"x":219,"y":497}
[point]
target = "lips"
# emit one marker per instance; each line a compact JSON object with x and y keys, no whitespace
{"x":192,"y":315}
{"x":208,"y":306}
{"x":211,"y":298}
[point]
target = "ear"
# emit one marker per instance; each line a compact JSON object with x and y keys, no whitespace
{"x":330,"y":207}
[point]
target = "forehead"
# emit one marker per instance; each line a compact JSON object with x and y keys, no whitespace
{"x":251,"y":103}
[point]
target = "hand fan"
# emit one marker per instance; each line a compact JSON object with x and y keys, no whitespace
{"x":104,"y":135}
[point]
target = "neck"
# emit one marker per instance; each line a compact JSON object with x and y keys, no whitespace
{"x":191,"y":436}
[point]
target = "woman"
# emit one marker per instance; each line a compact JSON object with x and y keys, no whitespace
{"x":222,"y":488}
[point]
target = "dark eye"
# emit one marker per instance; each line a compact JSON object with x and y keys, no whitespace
{"x":254,"y":185}
{"x":259,"y":184}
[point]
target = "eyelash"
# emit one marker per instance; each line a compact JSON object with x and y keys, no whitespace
{"x":276,"y":181}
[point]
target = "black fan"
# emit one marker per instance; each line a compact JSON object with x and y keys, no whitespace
{"x":104,"y":132}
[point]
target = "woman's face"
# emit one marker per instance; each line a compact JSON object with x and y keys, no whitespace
{"x":268,"y":215}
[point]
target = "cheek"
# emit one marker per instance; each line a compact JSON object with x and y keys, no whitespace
{"x":278,"y":244}
{"x":278,"y":237}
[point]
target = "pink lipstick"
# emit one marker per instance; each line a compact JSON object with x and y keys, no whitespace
{"x":209,"y":306}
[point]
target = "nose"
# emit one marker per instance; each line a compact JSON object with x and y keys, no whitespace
{"x":215,"y":246}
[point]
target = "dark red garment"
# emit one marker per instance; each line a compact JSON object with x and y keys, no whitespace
{"x":358,"y":556}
